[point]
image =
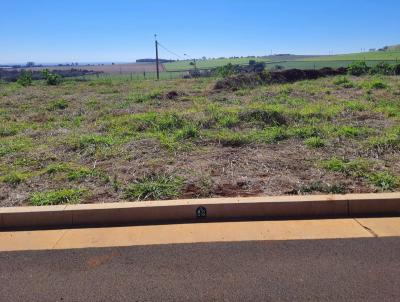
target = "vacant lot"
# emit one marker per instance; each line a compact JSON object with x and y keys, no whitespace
{"x":113,"y":140}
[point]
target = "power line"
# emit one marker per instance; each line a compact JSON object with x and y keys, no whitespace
{"x":170,"y":51}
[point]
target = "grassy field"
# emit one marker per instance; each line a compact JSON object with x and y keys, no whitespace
{"x":320,"y":64}
{"x":185,"y":65}
{"x":310,"y":62}
{"x":363,"y":56}
{"x":109,"y":140}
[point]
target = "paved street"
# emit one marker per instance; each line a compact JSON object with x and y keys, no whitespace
{"x":366,"y":269}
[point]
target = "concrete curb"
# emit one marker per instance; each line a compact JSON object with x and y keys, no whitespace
{"x":313,"y":206}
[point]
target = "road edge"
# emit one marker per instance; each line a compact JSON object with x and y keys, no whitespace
{"x":202,"y":210}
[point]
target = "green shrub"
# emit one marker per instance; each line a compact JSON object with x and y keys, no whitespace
{"x":382,"y":68}
{"x":63,"y":196}
{"x":155,"y":188}
{"x":225,"y":71}
{"x":358,"y":68}
{"x":51,"y":78}
{"x":396,"y":69}
{"x":25,"y":78}
{"x":315,"y":142}
{"x":385,"y":181}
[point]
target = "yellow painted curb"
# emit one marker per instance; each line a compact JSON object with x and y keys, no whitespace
{"x":313,"y":206}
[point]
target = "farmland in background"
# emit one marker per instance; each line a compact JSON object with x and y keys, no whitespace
{"x":211,"y":63}
{"x":107,"y":68}
{"x":317,"y":64}
{"x":293,"y":61}
{"x":375,"y":56}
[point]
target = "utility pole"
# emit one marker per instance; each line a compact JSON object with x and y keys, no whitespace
{"x":158,"y":68}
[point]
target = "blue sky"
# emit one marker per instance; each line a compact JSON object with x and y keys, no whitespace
{"x":122,"y":30}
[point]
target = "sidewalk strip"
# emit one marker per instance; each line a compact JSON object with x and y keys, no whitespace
{"x":198,"y":233}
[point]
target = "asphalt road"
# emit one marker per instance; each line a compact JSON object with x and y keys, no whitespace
{"x":320,"y":270}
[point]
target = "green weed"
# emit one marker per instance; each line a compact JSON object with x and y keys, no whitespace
{"x":94,"y":141}
{"x":378,"y":84}
{"x":57,"y":168}
{"x":385,"y":181}
{"x":58,"y":105}
{"x":355,"y":106}
{"x":80,"y":174}
{"x":263,"y":117}
{"x":315,"y":142}
{"x":358,"y":167}
{"x":388,"y":141}
{"x":343,"y":82}
{"x":8,"y":131}
{"x":155,"y":188}
{"x":8,"y":147}
{"x":304,"y":131}
{"x":63,"y":196}
{"x":15,"y":178}
{"x":228,"y":138}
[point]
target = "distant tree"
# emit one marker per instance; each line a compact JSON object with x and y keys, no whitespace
{"x":25,"y":79}
{"x":30,"y":64}
{"x":358,"y":68}
{"x":51,"y":78}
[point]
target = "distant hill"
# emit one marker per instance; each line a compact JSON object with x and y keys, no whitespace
{"x":394,"y":47}
{"x":382,"y":55}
